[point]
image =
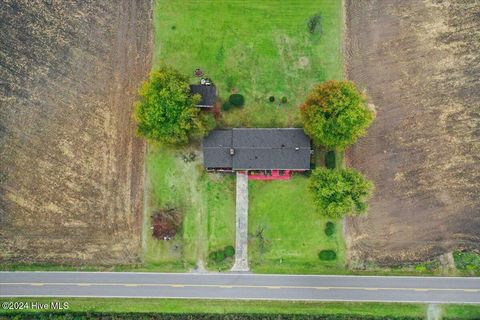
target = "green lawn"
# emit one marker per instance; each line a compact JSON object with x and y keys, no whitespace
{"x":224,"y":306}
{"x":207,"y":202}
{"x":256,"y":48}
{"x":293,"y":232}
{"x":116,"y":306}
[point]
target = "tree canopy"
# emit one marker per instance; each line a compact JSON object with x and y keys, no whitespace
{"x":335,"y":114}
{"x":338,"y":193}
{"x":166,"y":110}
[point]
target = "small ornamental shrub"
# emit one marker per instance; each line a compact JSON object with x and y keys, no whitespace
{"x":329,"y":228}
{"x":284,"y":99}
{"x":237,"y":100}
{"x":229,"y":251}
{"x":327,"y":255}
{"x":271,"y":99}
{"x":174,"y":27}
{"x":227,"y":106}
{"x":314,"y":24}
{"x":219,"y":256}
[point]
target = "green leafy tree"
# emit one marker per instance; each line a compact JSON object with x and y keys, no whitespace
{"x":335,"y":114}
{"x":166,"y":110}
{"x":338,"y":193}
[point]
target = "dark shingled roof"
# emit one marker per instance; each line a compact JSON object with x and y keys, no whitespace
{"x":208,"y":94}
{"x":257,"y":149}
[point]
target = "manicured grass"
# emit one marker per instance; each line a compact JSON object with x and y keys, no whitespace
{"x":461,"y":311}
{"x":293,"y":230}
{"x":256,"y":48}
{"x":206,"y":200}
{"x":224,"y":306}
{"x":339,"y":159}
{"x":220,"y":193}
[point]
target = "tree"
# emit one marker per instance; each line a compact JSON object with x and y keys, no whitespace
{"x":166,"y":110}
{"x":335,"y":114}
{"x":342,"y":192}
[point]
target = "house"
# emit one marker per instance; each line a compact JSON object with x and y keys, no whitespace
{"x":246,"y":149}
{"x":208,"y":92}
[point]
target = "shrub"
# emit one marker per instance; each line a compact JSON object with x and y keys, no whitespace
{"x":330,"y":159}
{"x":174,"y":27}
{"x":227,"y":106}
{"x":284,"y":99}
{"x":327,"y":255}
{"x":314,"y":24}
{"x":329,"y":228}
{"x":237,"y":100}
{"x":271,"y":99}
{"x":469,"y":261}
{"x":335,"y":114}
{"x":229,"y":251}
{"x":337,"y":193}
{"x":219,"y":256}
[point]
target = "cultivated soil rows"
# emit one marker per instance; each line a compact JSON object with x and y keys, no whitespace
{"x":419,"y":62}
{"x":71,"y":167}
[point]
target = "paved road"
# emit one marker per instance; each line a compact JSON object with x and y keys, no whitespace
{"x":241,"y":286}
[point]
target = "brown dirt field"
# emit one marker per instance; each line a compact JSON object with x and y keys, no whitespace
{"x":71,"y":169}
{"x":419,"y":62}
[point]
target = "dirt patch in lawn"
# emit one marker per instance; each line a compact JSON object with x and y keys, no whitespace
{"x":419,"y":62}
{"x":166,"y":223}
{"x":71,"y":168}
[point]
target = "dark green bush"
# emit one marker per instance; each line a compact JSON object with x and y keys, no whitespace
{"x":219,"y":256}
{"x":271,"y":99}
{"x":329,"y":228}
{"x":229,"y":251}
{"x":174,"y":27}
{"x":330,"y":159}
{"x":314,"y":24}
{"x":237,"y":100}
{"x":327,"y":255}
{"x":227,"y":106}
{"x":284,"y":99}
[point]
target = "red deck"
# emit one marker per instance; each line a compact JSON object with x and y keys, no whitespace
{"x":270,"y":175}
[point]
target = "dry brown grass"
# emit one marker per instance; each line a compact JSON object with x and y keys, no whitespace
{"x":419,"y":62}
{"x":71,"y":167}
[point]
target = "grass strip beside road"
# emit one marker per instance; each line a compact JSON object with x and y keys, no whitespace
{"x":225,"y":306}
{"x":115,"y":306}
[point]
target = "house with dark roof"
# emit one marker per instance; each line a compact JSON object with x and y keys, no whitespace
{"x":247,"y":149}
{"x":208,"y":94}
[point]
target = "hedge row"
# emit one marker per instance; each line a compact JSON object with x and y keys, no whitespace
{"x":186,"y":316}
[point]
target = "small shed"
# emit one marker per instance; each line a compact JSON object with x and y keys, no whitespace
{"x":207,"y":92}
